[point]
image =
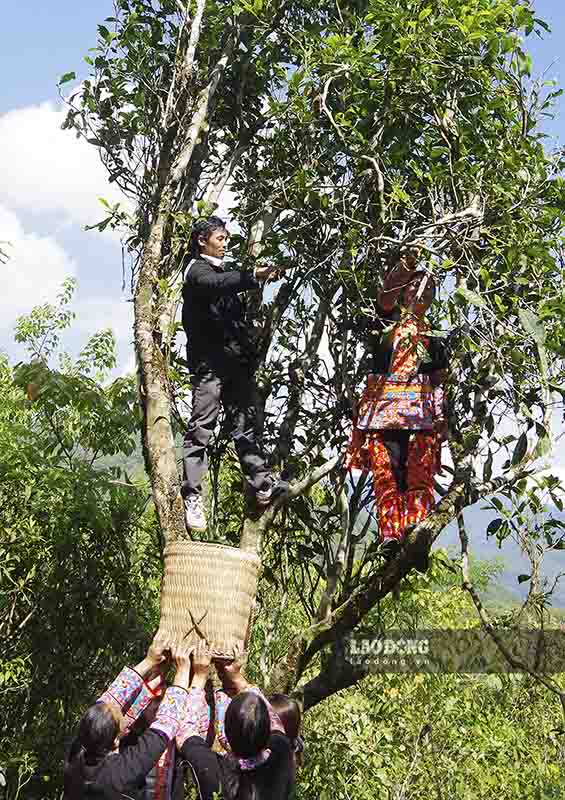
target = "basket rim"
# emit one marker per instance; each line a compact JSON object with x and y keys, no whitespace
{"x":188,"y":544}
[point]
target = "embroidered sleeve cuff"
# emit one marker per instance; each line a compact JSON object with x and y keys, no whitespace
{"x":172,"y":711}
{"x":197,"y":719}
{"x":222,"y":703}
{"x":138,"y":706}
{"x":123,"y":691}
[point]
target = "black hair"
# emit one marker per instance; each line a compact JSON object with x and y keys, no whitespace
{"x":248,"y":726}
{"x":204,"y":228}
{"x":289,"y":714}
{"x":95,"y":738}
{"x":248,"y":729}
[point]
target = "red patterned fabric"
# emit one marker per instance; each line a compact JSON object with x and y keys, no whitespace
{"x":408,"y":336}
{"x":391,"y":403}
{"x":403,"y":400}
{"x":397,"y":509}
{"x":159,"y":782}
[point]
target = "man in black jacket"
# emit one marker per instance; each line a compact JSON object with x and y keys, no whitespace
{"x":222,"y":358}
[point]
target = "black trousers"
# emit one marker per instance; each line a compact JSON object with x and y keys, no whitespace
{"x":236,"y":391}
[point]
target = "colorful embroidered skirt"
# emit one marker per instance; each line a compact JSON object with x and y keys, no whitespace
{"x":391,"y":403}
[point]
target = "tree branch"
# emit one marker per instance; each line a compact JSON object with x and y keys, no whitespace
{"x":467,"y":585}
{"x":201,"y":113}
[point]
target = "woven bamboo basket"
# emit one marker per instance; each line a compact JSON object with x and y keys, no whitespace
{"x":209,"y":592}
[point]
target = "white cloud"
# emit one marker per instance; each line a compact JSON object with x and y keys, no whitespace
{"x":34,"y":272}
{"x":44,"y":169}
{"x":95,"y":313}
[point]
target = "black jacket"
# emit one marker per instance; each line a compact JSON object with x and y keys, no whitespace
{"x":117,"y":775}
{"x":274,"y":778}
{"x":213,"y":317}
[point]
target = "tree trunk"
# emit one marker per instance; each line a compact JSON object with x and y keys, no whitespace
{"x":158,"y":438}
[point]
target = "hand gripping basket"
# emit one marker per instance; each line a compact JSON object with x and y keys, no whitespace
{"x":208,"y":592}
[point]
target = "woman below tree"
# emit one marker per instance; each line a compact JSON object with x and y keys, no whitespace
{"x":400,"y":422}
{"x":99,"y":766}
{"x":258,"y":762}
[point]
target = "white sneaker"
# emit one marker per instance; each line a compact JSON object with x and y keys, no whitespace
{"x":194,"y":515}
{"x":271,"y":492}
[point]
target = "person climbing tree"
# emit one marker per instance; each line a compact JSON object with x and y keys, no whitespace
{"x":222,"y":359}
{"x":400,"y":421}
{"x":97,"y":765}
{"x":258,"y":762}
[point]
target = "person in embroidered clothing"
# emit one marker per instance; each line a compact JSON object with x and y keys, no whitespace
{"x":290,"y":715}
{"x":96,"y":765}
{"x":222,"y":357}
{"x":400,"y":420}
{"x":166,"y":780}
{"x":258,"y":760}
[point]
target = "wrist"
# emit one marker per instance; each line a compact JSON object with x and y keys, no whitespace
{"x":182,"y":677}
{"x":144,"y":667}
{"x":199,"y":681}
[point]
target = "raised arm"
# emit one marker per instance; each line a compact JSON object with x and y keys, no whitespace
{"x":129,"y":767}
{"x":130,"y":682}
{"x":233,"y":682}
{"x":396,"y":279}
{"x":198,"y":717}
{"x":150,"y":690}
{"x":202,"y":277}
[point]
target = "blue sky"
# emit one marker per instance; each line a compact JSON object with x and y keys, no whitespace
{"x":49,"y":182}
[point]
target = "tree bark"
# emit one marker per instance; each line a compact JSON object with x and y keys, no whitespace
{"x":159,"y":445}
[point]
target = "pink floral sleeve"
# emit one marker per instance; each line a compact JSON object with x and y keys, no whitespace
{"x":197,"y":720}
{"x":123,"y":690}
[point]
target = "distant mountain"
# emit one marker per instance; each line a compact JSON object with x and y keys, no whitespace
{"x":516,"y":563}
{"x":504,"y":589}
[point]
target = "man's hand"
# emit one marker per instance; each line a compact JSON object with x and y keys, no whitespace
{"x":269,"y":273}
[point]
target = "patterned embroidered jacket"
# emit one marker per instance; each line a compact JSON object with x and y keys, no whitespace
{"x":402,"y":392}
{"x":125,"y":773}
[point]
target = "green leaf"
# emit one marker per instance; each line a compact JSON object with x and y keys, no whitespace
{"x":494,"y":526}
{"x":470,"y":296}
{"x":68,"y":76}
{"x":525,"y":63}
{"x":531,"y":323}
{"x":487,"y":469}
{"x":520,"y":450}
{"x":523,"y":578}
{"x":544,"y":446}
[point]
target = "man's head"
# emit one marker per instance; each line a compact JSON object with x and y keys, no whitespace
{"x":209,"y":238}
